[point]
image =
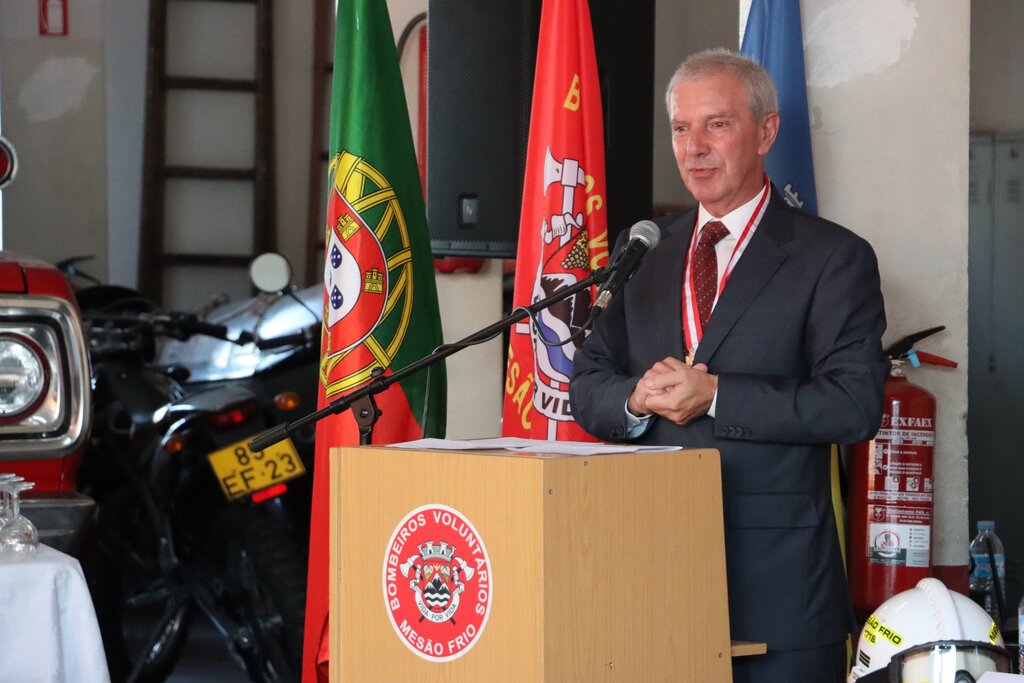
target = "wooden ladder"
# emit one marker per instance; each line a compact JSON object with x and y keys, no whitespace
{"x":207,"y":204}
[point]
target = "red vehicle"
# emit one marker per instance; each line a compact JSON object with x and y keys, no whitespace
{"x":45,"y":393}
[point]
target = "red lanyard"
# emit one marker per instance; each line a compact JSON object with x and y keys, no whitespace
{"x":693,"y":331}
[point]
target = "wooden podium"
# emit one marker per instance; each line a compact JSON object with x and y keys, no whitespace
{"x":597,"y":568}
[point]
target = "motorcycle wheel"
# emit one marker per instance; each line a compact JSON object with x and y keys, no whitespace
{"x":143,"y":621}
{"x":268,"y":593}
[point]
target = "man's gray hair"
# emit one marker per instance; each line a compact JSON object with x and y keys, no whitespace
{"x":761,"y":97}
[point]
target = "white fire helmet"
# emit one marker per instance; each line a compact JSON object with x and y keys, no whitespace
{"x":928,"y":634}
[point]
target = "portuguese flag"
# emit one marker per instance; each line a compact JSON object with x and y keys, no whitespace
{"x":563,"y":227}
{"x":380,"y":299}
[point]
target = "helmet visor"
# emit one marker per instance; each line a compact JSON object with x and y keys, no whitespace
{"x":947,"y":662}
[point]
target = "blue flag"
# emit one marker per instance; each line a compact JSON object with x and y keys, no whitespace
{"x":774,"y":40}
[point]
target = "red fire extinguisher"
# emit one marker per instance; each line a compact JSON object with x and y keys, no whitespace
{"x":891,"y":480}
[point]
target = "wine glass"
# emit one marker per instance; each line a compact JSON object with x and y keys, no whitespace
{"x":18,"y":536}
{"x":5,"y":499}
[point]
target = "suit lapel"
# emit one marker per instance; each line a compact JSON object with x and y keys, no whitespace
{"x":669,"y":260}
{"x":759,"y":262}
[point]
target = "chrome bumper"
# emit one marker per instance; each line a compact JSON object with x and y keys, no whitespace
{"x":61,"y":518}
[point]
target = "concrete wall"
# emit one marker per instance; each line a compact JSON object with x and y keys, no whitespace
{"x":54,"y":114}
{"x":126,"y":37}
{"x":293,"y":92}
{"x":889,"y":133}
{"x":680,"y":29}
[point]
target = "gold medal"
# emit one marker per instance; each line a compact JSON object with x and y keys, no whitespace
{"x":690,"y":355}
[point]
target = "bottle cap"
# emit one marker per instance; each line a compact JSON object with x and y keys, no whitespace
{"x":986,"y":525}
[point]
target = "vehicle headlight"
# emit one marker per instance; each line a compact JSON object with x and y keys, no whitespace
{"x":44,"y":378}
{"x":23,"y":376}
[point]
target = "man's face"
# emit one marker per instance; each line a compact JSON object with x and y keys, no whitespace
{"x":719,"y":147}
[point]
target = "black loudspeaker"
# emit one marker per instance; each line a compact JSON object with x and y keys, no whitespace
{"x":481,"y":61}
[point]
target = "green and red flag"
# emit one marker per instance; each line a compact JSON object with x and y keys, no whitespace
{"x":563,"y":228}
{"x":380,"y":298}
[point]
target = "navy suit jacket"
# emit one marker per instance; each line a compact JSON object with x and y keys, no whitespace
{"x":795,"y":340}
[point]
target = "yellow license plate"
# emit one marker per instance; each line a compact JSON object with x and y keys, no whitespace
{"x":242,"y":471}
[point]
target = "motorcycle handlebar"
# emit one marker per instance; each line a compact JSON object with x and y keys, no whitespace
{"x":120,"y":334}
{"x":113,"y":348}
{"x":284,"y":340}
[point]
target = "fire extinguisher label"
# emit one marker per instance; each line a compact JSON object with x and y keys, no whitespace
{"x":910,"y":437}
{"x":899,"y":536}
{"x":898,"y":469}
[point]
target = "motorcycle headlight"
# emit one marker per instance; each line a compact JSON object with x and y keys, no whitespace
{"x":24,"y":376}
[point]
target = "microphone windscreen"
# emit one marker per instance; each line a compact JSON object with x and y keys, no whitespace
{"x":646,"y":231}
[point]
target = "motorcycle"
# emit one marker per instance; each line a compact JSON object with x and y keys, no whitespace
{"x":190,"y":517}
{"x":279,"y":366}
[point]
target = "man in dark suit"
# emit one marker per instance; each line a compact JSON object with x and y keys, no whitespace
{"x":754,"y":329}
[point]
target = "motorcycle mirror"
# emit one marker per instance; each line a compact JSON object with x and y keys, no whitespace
{"x":270,"y":272}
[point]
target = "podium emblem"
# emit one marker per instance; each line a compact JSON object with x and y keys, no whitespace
{"x":437,"y":583}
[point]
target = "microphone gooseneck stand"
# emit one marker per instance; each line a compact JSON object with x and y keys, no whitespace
{"x":362,"y":402}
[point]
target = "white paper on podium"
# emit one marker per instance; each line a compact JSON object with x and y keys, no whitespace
{"x":512,"y":443}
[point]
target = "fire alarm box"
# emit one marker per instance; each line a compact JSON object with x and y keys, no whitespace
{"x":53,"y":17}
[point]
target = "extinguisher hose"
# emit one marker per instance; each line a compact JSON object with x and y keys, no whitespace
{"x":997,"y":582}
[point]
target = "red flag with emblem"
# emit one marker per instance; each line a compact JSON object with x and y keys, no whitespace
{"x":563,"y":228}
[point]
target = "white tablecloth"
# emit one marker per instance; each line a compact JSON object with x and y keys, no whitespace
{"x":48,"y":630}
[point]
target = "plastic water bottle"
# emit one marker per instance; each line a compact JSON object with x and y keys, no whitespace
{"x":986,"y":548}
{"x":1020,"y":632}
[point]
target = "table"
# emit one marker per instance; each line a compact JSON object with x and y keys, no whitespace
{"x":48,"y":629}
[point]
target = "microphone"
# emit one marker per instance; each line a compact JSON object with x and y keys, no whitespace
{"x":643,"y":236}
